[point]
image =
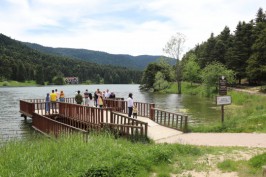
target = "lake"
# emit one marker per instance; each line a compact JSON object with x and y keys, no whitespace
{"x":200,"y":110}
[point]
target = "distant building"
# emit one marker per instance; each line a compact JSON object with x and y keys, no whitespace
{"x":71,"y":80}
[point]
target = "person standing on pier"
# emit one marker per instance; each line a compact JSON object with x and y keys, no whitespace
{"x":53,"y":98}
{"x":86,"y":97}
{"x":57,"y":95}
{"x":62,"y":96}
{"x":130,"y":104}
{"x":100,"y":100}
{"x":47,"y":104}
{"x":78,"y":98}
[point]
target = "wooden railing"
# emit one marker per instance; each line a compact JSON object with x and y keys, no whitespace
{"x":127,"y":125}
{"x":172,"y":120}
{"x":84,"y":114}
{"x":52,"y":127}
{"x":26,"y":108}
{"x":144,"y":109}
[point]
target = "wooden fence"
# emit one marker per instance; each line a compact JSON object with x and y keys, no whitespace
{"x":121,"y":106}
{"x":172,"y":120}
{"x":52,"y":127}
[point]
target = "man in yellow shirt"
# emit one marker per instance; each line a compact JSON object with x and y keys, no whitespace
{"x":53,"y":97}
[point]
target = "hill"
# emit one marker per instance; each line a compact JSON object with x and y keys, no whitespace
{"x":133,"y":62}
{"x":19,"y":62}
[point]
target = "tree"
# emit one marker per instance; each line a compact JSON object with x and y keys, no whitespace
{"x":149,"y":74}
{"x":256,"y":68}
{"x":212,"y":72}
{"x":160,"y":82}
{"x":174,"y":48}
{"x":191,"y":70}
{"x":59,"y":80}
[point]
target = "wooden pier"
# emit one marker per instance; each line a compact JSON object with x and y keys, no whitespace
{"x":68,"y":117}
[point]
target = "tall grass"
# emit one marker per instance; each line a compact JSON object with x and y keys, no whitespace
{"x":102,"y":155}
{"x":252,"y":167}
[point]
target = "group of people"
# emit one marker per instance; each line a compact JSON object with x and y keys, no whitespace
{"x":52,"y":98}
{"x":97,"y":100}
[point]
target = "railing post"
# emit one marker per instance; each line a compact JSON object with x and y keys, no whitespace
{"x":185,"y":129}
{"x":152,"y":106}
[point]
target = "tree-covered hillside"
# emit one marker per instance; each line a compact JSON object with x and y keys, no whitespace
{"x":19,"y":62}
{"x":133,"y":62}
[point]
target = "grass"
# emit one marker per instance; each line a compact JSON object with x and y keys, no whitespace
{"x":251,"y":167}
{"x":247,"y":113}
{"x":102,"y":155}
{"x":17,"y":84}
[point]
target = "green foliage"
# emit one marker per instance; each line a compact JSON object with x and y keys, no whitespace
{"x":160,"y":82}
{"x":258,"y":161}
{"x":101,"y":58}
{"x":165,"y":73}
{"x":227,"y":166}
{"x":58,"y":80}
{"x":256,"y":68}
{"x":243,"y":52}
{"x":19,"y":62}
{"x":191,"y":70}
{"x":211,"y":74}
{"x":102,"y":155}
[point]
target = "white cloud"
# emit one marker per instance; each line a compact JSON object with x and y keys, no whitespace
{"x":128,"y":27}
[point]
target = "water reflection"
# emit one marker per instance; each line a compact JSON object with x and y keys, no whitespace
{"x":14,"y":126}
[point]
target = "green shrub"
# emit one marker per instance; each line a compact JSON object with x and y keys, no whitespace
{"x":258,"y":161}
{"x":227,"y":166}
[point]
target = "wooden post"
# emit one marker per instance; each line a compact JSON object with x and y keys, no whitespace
{"x":222,"y":108}
{"x":152,"y":111}
{"x":185,"y":129}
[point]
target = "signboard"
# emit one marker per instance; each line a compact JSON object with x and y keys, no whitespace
{"x":222,"y":86}
{"x":223,"y":100}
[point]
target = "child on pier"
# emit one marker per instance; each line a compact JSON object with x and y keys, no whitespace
{"x":135,"y":111}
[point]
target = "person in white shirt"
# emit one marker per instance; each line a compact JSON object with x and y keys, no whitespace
{"x":107,"y":94}
{"x":130,"y":104}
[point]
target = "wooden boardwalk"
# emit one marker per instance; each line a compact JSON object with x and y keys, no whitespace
{"x":68,"y":117}
{"x":158,"y":132}
{"x":151,"y":122}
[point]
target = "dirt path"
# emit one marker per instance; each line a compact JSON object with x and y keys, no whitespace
{"x":218,"y":139}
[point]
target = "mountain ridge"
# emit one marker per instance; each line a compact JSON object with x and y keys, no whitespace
{"x":139,"y":62}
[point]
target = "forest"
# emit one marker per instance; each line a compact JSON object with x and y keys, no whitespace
{"x":20,"y":63}
{"x":239,"y":55}
{"x":243,"y":51}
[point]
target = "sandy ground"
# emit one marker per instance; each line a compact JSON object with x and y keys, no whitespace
{"x":218,"y":139}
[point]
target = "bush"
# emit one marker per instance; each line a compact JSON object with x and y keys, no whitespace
{"x":258,"y":161}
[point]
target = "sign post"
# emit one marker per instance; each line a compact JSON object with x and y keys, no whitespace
{"x":223,"y":99}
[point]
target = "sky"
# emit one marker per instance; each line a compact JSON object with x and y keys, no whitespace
{"x":136,"y":27}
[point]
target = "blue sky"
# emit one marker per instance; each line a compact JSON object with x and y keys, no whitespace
{"x":134,"y":27}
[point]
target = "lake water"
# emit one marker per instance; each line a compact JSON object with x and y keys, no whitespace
{"x":199,"y":109}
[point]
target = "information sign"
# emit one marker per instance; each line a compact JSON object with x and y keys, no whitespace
{"x":222,"y":86}
{"x":223,"y":100}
